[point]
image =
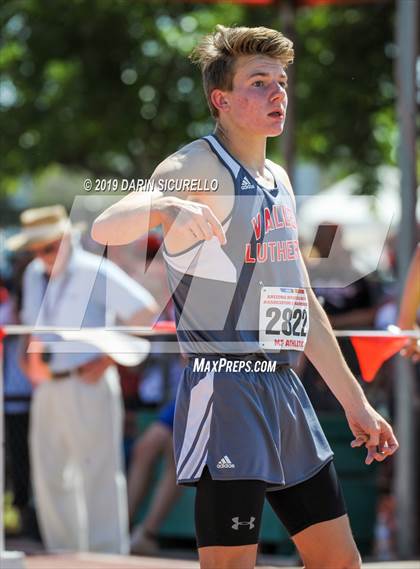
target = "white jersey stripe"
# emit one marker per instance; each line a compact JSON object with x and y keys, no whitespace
{"x":200,"y":397}
{"x":197,"y":454}
{"x":226,"y":157}
{"x":199,"y":470}
{"x":181,"y":465}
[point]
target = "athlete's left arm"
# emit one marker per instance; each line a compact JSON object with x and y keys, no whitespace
{"x":322,"y":349}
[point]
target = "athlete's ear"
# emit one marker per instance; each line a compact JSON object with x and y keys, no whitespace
{"x":219,"y":100}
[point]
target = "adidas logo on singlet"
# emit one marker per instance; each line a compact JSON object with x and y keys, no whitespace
{"x":225,"y":462}
{"x":246,"y":184}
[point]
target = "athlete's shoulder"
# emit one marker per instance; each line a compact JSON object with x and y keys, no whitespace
{"x":194,"y":160}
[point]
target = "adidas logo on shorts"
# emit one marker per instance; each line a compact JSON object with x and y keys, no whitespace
{"x":246,"y":184}
{"x":225,"y":462}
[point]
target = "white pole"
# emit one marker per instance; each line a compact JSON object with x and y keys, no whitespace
{"x":392,"y":332}
{"x":405,"y":487}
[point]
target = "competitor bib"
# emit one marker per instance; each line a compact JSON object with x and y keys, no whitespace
{"x":284,"y":318}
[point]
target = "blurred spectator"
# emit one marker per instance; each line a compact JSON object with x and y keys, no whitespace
{"x":348,"y":306}
{"x":76,"y":418}
{"x":385,"y":529}
{"x":152,"y":445}
{"x":143,"y":261}
{"x":410,"y":303}
{"x":6,"y":306}
{"x":148,"y":385}
{"x":155,"y":381}
{"x":160,"y":377}
{"x":17,"y":392}
{"x":387,"y":312}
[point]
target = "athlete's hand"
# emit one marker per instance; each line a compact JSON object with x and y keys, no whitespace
{"x":371,"y":430}
{"x":193,"y":218}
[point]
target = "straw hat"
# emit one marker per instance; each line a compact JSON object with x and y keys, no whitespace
{"x":39,"y":226}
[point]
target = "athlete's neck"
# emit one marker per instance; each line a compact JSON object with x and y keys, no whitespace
{"x":248,"y":150}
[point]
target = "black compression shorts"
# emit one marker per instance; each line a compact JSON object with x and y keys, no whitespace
{"x":229,"y":512}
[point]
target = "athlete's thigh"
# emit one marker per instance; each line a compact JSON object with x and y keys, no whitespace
{"x":227,"y":520}
{"x":328,"y":545}
{"x":228,"y":512}
{"x":314,"y":513}
{"x":318,"y":499}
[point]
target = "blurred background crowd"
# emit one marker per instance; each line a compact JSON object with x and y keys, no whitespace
{"x":104,"y":90}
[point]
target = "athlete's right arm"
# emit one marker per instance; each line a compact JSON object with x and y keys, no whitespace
{"x":131,"y":217}
{"x":139,"y":212}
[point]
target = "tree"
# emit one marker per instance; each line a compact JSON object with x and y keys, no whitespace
{"x":105,"y":86}
{"x":345,"y":88}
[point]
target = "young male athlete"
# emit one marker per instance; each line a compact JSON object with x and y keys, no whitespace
{"x":242,"y":298}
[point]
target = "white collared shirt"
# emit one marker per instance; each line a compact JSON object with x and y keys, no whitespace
{"x":91,"y":292}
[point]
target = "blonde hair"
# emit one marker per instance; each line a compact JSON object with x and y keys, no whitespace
{"x":217,"y":52}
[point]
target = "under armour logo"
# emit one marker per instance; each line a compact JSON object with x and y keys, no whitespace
{"x":237,"y":523}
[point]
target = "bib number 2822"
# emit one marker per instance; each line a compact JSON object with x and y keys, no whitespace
{"x":292,"y":321}
{"x":284,"y":321}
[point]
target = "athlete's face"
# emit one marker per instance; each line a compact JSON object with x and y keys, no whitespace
{"x":258,"y":100}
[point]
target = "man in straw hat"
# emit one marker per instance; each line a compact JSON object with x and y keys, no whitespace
{"x":76,"y":417}
{"x":245,"y":428}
